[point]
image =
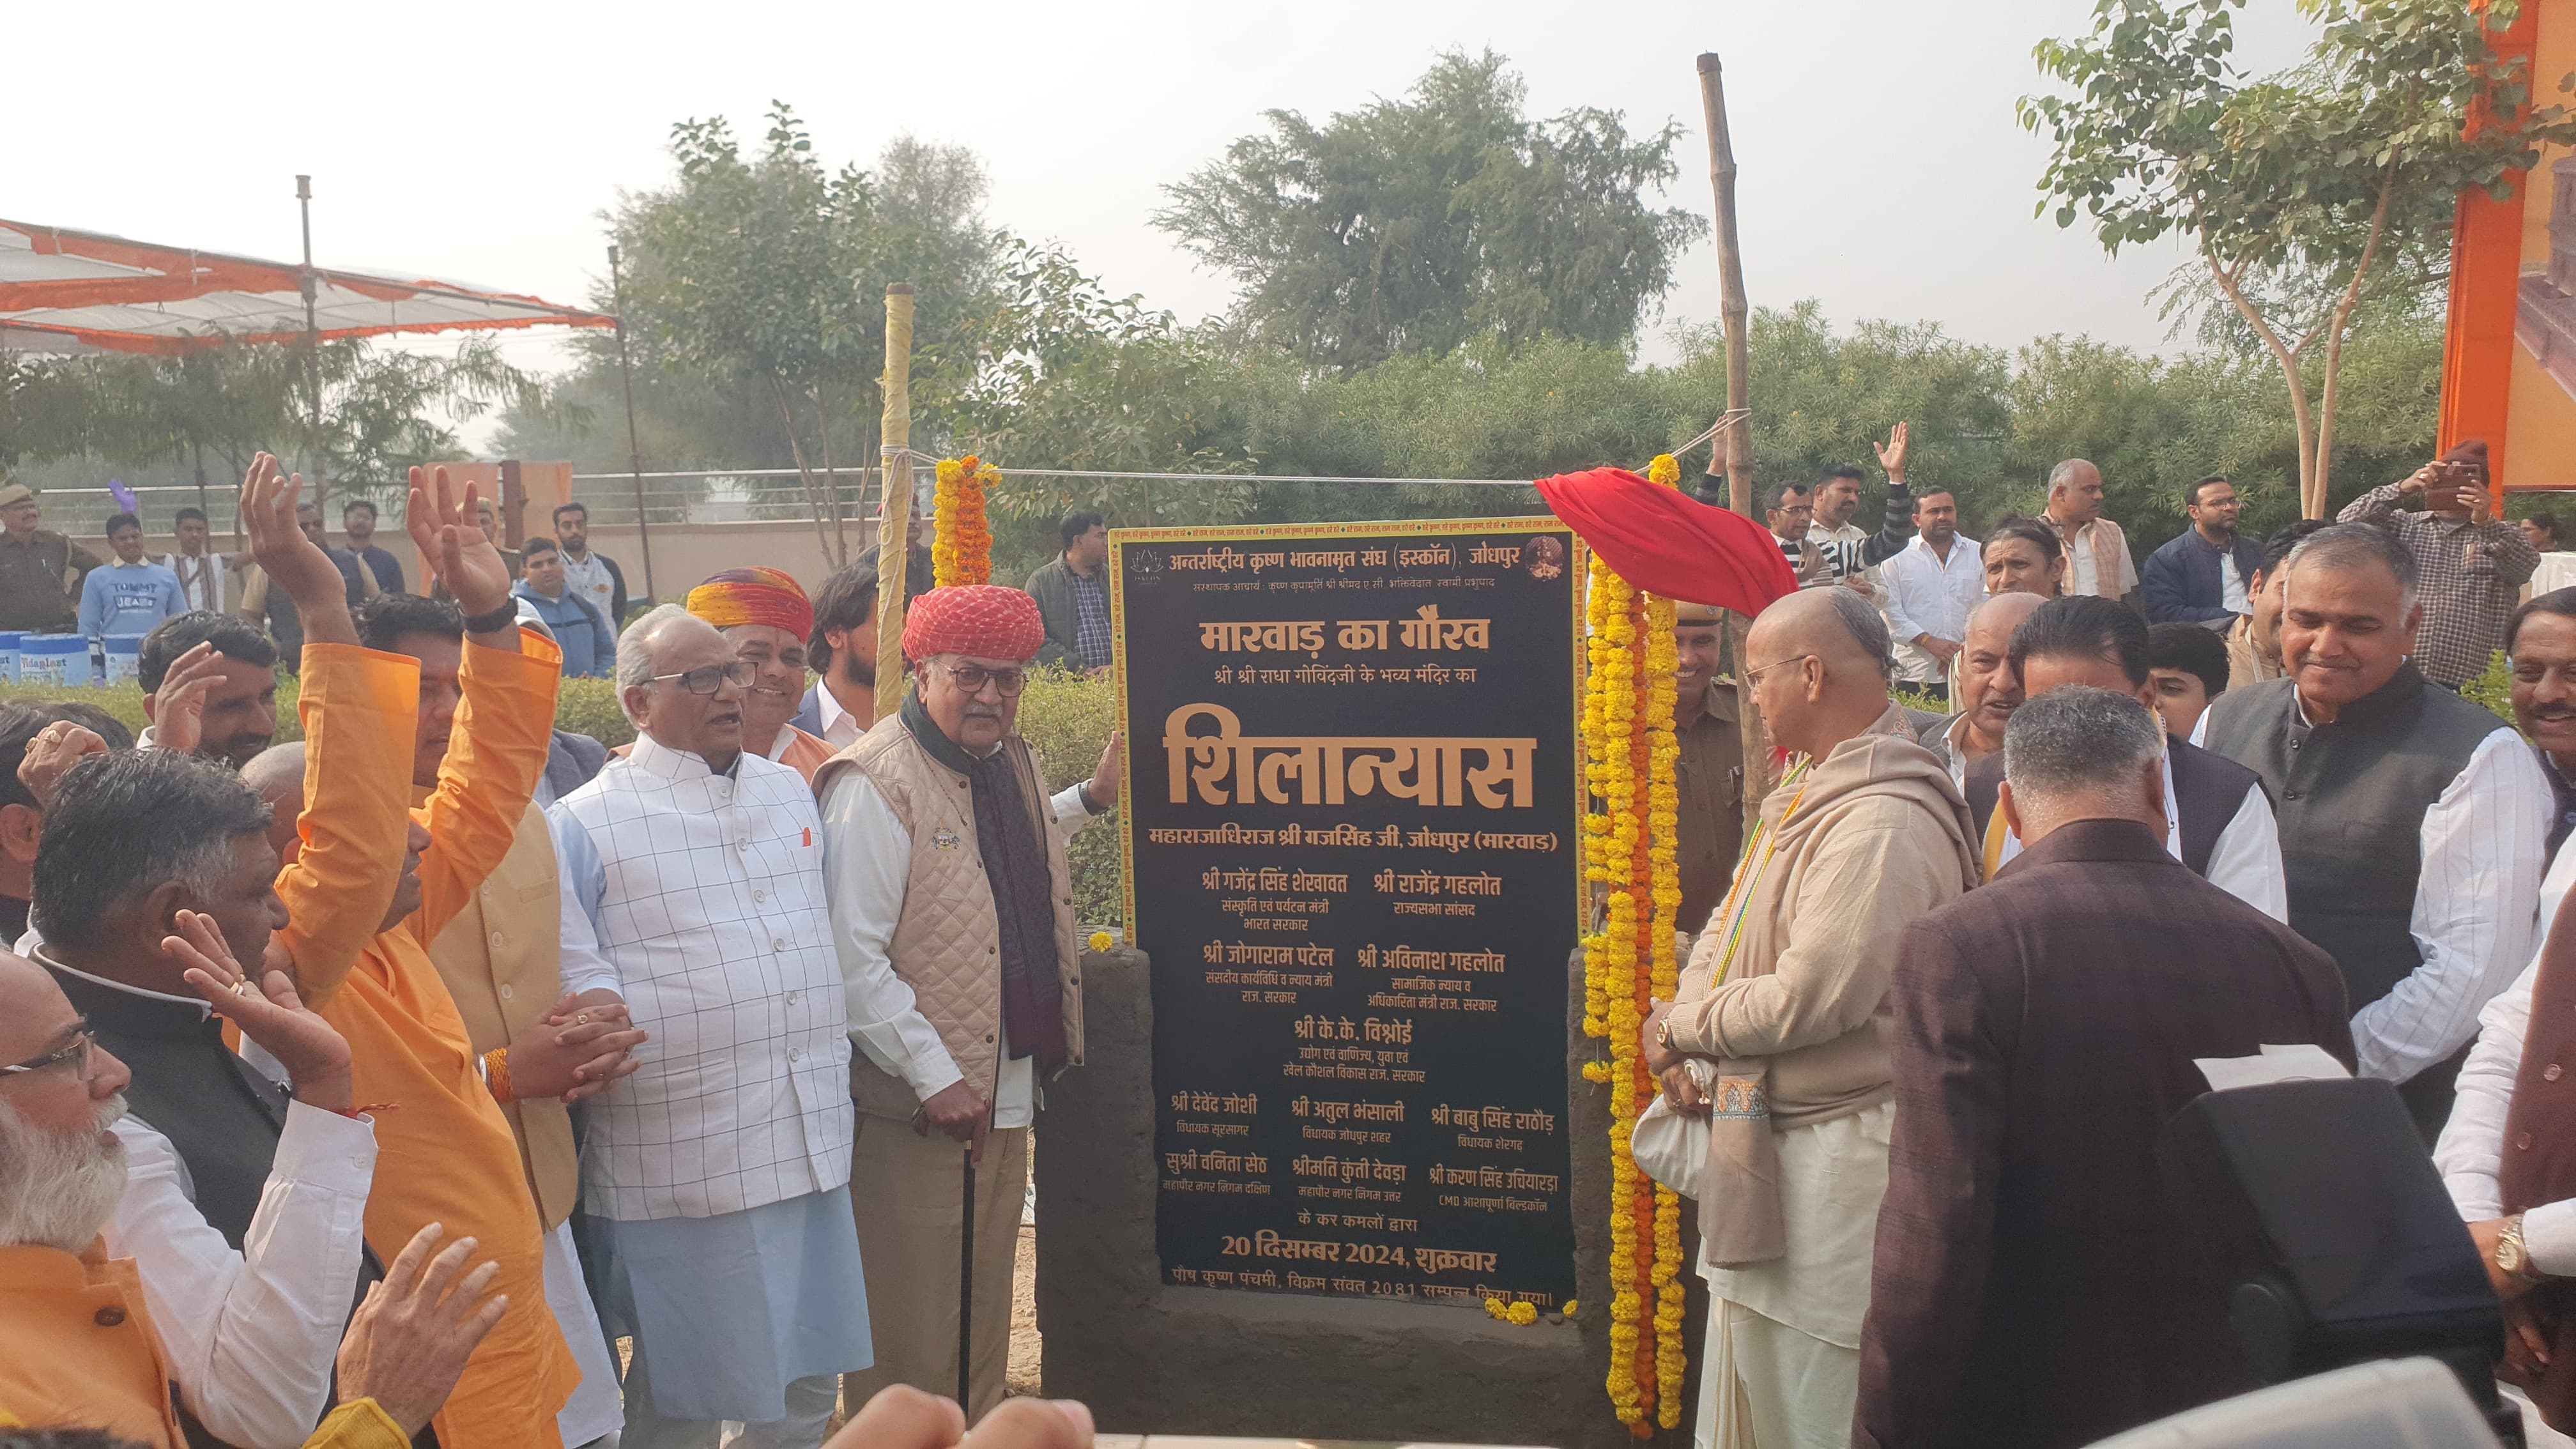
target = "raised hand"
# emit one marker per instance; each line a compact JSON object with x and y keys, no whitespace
{"x":1104,"y":780}
{"x":179,"y":705}
{"x":409,"y":1341}
{"x":453,"y":545}
{"x":294,"y":563}
{"x":50,"y":756}
{"x":1891,"y":455}
{"x":315,"y":1055}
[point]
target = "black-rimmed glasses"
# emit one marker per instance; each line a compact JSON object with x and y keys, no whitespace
{"x":973,"y":677}
{"x":708,"y":678}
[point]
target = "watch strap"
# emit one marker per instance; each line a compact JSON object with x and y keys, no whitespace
{"x":493,"y":623}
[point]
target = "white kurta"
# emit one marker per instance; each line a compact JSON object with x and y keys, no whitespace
{"x":706,"y":892}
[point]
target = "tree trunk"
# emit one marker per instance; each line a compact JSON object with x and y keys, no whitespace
{"x":839,"y":552}
{"x":1735,"y":442}
{"x":2311,"y":499}
{"x":804,"y":474}
{"x":2330,"y":395}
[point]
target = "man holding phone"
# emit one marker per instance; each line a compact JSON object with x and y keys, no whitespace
{"x":2470,"y":564}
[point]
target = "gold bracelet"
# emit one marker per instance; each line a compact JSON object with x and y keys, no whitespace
{"x":496,"y":1074}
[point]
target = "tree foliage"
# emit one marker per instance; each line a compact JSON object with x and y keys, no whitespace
{"x":1412,"y":226}
{"x":2300,"y":192}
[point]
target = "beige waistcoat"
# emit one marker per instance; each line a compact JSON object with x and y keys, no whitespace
{"x":947,"y":945}
{"x":502,"y":959}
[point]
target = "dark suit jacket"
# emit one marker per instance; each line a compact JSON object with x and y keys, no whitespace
{"x":2031,"y":1285}
{"x":2182,"y":583}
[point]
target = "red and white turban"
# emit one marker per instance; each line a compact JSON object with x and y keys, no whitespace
{"x":983,"y":621}
{"x":753,"y":596}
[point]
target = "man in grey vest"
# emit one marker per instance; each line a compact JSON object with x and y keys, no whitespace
{"x":2412,"y":821}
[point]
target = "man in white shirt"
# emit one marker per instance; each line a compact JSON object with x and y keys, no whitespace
{"x":952,"y":910}
{"x":2217,"y":819}
{"x":716,"y":1179}
{"x":594,"y":577}
{"x":2098,"y":564}
{"x":1932,"y":585}
{"x":2413,"y":822}
{"x":204,"y":575}
{"x":842,"y":701}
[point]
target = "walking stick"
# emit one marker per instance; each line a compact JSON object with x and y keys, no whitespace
{"x":966,"y":1290}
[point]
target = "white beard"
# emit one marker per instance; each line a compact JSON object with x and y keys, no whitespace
{"x":59,"y":1190}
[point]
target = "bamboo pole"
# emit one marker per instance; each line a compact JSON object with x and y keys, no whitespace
{"x":894,"y":528}
{"x":1737,"y":441}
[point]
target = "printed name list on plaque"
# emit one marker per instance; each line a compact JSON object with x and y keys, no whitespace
{"x":1353,"y":855}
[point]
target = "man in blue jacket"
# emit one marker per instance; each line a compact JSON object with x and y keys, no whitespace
{"x":589,"y":646}
{"x":2201,"y":577}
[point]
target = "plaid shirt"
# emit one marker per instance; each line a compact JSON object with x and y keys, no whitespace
{"x":1091,"y":628}
{"x":2468,"y":576}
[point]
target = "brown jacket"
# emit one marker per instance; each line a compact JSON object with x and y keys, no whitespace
{"x":947,"y":944}
{"x":1878,"y":836}
{"x":1710,"y":777}
{"x":2031,"y":1287}
{"x":501,"y":959}
{"x":2244,"y":664}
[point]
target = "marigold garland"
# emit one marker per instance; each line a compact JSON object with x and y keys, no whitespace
{"x":1629,"y":847}
{"x":961,"y":549}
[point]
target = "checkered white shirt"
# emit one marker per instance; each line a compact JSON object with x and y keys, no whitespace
{"x":707,"y":896}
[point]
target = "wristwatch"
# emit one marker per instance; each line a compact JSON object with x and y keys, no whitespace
{"x":2511,"y":1256}
{"x":1091,"y":802}
{"x":1664,"y":1032}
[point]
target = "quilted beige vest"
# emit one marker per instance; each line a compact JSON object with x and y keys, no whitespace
{"x":948,"y":943}
{"x":502,"y":960}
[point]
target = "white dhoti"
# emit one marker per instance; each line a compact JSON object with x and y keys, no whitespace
{"x":1783,"y":1355}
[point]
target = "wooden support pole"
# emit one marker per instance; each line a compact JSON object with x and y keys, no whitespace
{"x":894,"y":527}
{"x":1737,"y":441}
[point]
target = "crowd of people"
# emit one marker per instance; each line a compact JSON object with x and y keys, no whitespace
{"x":1944,"y":1003}
{"x":524,"y":1047}
{"x":527,"y":1047}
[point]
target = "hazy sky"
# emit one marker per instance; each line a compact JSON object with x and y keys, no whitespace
{"x":1882,"y":172}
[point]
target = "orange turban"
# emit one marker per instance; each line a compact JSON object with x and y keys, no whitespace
{"x":985,"y":621}
{"x":753,"y":596}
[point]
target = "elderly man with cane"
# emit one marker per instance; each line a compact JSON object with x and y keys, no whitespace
{"x":952,"y":909}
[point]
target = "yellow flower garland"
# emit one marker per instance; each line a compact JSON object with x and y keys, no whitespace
{"x":1628,"y":731}
{"x":961,"y":548}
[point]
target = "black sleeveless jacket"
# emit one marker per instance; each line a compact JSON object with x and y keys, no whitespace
{"x":2351,"y":796}
{"x":2208,"y":791}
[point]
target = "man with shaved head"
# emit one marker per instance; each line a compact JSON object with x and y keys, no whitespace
{"x":1778,"y":1037}
{"x":2097,"y":552}
{"x":2413,"y":823}
{"x":1988,"y":691}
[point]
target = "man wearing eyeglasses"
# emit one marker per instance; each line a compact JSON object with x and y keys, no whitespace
{"x":716,"y":1179}
{"x":952,"y":910}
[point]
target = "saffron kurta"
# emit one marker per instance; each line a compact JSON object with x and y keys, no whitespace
{"x":448,"y":1155}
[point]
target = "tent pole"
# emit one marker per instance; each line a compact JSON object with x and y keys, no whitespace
{"x":312,"y":336}
{"x":634,"y":449}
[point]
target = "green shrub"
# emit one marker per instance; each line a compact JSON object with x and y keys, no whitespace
{"x":2494,"y":689}
{"x":1066,"y":718}
{"x":590,"y":707}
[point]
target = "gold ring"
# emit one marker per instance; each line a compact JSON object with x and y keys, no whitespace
{"x":237,"y":987}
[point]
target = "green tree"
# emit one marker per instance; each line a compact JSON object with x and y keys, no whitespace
{"x":2294,"y":190}
{"x":767,"y":274}
{"x":1417,"y":224}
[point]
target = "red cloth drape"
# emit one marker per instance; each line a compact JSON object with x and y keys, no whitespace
{"x":1664,"y":542}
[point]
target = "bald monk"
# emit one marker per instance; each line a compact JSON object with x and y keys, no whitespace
{"x":1983,"y":689}
{"x":1781,"y":1005}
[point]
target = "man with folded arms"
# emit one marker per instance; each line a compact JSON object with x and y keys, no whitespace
{"x":716,"y":1180}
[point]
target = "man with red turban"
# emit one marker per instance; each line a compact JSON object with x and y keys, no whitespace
{"x":952,"y":912}
{"x":766,"y":617}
